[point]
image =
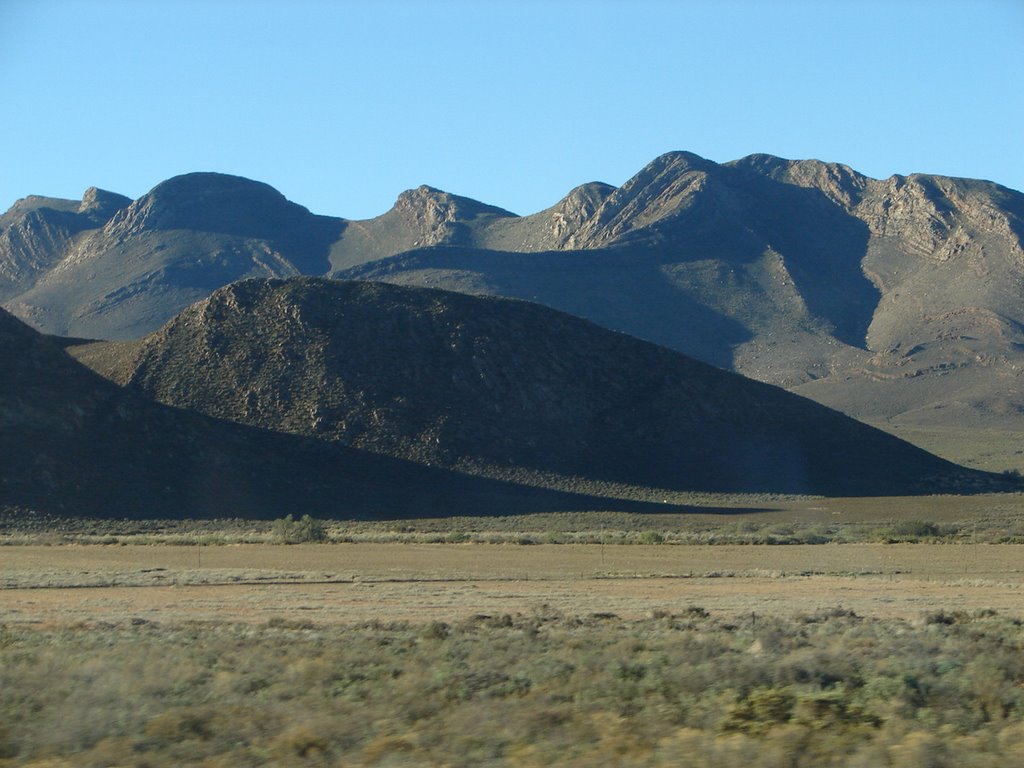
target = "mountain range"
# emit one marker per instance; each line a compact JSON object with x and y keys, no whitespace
{"x":896,"y":301}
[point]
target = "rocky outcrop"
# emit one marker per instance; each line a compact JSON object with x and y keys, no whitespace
{"x":434,"y":217}
{"x":575,"y":211}
{"x":37,"y":232}
{"x":420,"y":217}
{"x":665,"y":188}
{"x":839,"y":183}
{"x":100,"y":205}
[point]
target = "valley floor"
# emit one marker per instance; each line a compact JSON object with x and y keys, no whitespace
{"x":542,"y":640}
{"x":464,"y":655}
{"x":344,"y":583}
{"x":992,"y":450}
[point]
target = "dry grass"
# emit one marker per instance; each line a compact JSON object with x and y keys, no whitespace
{"x":993,"y":450}
{"x":338,"y":583}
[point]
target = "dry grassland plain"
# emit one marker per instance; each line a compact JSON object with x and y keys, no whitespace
{"x":890,"y":557}
{"x":340,"y":583}
{"x":897,"y":641}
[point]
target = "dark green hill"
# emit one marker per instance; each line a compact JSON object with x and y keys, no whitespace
{"x":73,"y":443}
{"x":488,"y":385}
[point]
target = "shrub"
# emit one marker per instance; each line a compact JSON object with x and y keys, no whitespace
{"x":527,"y":690}
{"x":288,"y":530}
{"x":760,"y":710}
{"x":911,"y":530}
{"x":436,"y":630}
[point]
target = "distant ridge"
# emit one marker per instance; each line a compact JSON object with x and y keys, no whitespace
{"x":151,"y":258}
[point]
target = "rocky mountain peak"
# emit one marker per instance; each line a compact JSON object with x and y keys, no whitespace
{"x":101,"y":204}
{"x":572,"y":212}
{"x":210,"y":202}
{"x":677,"y":161}
{"x":661,"y":189}
{"x":763,"y":163}
{"x":586,"y":198}
{"x":429,"y":204}
{"x":435,"y":217}
{"x":35,"y":204}
{"x":839,"y":183}
{"x":36,"y":233}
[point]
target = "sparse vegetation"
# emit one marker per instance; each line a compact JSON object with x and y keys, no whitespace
{"x":915,"y":530}
{"x":711,"y":520}
{"x":552,"y":685}
{"x":820,"y":689}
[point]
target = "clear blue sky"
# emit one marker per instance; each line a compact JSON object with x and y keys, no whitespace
{"x":342,"y":105}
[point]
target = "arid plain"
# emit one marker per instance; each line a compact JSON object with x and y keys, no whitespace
{"x":870,"y":560}
{"x":435,"y":582}
{"x":576,"y":639}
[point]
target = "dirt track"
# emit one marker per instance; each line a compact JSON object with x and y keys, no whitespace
{"x":353,"y":583}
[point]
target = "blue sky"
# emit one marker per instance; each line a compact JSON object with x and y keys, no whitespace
{"x":342,"y":105}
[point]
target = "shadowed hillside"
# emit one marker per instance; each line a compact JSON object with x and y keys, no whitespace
{"x":896,"y":301}
{"x":487,"y":384}
{"x":73,"y":443}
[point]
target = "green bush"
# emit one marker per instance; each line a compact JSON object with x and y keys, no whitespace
{"x":911,"y":530}
{"x":652,"y":537}
{"x":288,"y":530}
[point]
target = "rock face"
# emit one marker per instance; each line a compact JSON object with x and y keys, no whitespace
{"x":490,"y":385}
{"x":37,"y":231}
